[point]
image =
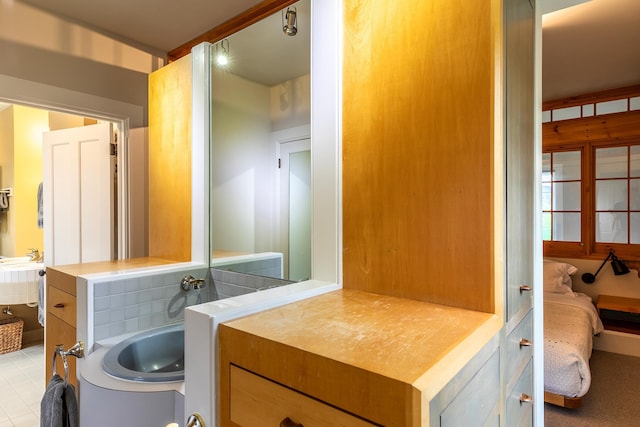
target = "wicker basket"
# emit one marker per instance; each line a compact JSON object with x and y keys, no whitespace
{"x":10,"y":335}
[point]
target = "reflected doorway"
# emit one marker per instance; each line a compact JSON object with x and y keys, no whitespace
{"x":295,"y":207}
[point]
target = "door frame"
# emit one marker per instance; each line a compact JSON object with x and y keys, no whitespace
{"x":123,"y":115}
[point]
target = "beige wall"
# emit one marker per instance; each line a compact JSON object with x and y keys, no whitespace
{"x":21,"y":147}
{"x":59,"y":121}
{"x":29,"y":123}
{"x":39,"y":47}
{"x":6,"y":179}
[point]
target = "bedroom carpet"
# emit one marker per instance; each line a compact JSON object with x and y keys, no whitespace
{"x":612,"y":399}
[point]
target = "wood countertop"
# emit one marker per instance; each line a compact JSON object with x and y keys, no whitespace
{"x":110,"y":266}
{"x":64,"y":276}
{"x":346,"y":343}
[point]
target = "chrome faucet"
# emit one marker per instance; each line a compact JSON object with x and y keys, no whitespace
{"x":189,"y":282}
{"x":34,"y":254}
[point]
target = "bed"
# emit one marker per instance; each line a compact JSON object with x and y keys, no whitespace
{"x":570,"y":322}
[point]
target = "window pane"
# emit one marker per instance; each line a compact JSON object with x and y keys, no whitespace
{"x":611,"y":195}
{"x":611,"y":227}
{"x":546,"y":167}
{"x":566,"y":227}
{"x":635,"y":161}
{"x":566,"y":196}
{"x":611,"y":162}
{"x":635,"y":228}
{"x":546,"y":226}
{"x":546,"y":196}
{"x":634,"y":194}
{"x":566,"y":166}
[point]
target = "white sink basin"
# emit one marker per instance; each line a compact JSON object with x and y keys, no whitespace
{"x":14,"y":260}
{"x":19,"y":281}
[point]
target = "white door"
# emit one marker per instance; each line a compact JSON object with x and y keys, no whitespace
{"x":78,"y":195}
{"x":295,"y":208}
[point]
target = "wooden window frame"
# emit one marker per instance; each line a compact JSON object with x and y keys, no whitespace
{"x":586,"y":134}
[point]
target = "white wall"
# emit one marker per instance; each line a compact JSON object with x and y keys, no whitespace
{"x":606,"y":282}
{"x":244,"y":190}
{"x":291,"y":103}
{"x":243,"y":173}
{"x":138,"y":192}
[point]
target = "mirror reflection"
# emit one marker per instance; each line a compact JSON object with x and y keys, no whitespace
{"x":260,"y":153}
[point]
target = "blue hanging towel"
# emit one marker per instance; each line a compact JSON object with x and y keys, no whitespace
{"x":40,"y":210}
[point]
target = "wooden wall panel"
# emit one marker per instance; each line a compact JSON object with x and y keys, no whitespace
{"x":597,"y":128}
{"x":418,"y":141}
{"x":170,"y":161}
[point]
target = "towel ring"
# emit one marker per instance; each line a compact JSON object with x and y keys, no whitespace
{"x":76,"y":351}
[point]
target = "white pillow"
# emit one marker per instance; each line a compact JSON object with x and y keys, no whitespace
{"x":557,"y":276}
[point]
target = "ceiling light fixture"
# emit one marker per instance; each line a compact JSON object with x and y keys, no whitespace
{"x":290,"y":21}
{"x":222,"y":52}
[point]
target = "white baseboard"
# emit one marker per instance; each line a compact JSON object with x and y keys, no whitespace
{"x":618,"y":342}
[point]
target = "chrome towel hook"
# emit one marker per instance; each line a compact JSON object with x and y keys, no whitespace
{"x":195,"y":420}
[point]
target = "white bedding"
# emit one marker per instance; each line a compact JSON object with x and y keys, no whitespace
{"x":570,"y":321}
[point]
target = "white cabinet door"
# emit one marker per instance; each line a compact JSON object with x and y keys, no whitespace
{"x":78,"y":195}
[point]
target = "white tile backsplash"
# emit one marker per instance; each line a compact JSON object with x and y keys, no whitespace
{"x":102,"y":291}
{"x":132,"y":325}
{"x":102,"y":303}
{"x":232,"y":283}
{"x":117,"y":287}
{"x":132,"y":285}
{"x":147,"y":301}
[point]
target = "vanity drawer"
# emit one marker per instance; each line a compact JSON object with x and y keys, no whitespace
{"x":520,"y":345}
{"x":477,"y":401}
{"x":256,"y":401}
{"x":519,"y":406}
{"x":61,"y":305}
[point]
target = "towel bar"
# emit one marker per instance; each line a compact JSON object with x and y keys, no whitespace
{"x":77,"y":350}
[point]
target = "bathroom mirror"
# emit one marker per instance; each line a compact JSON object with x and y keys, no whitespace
{"x":260,"y":188}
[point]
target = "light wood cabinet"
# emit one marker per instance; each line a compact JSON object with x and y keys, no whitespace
{"x":60,"y":321}
{"x":375,"y":359}
{"x":256,"y":401}
{"x":437,"y":216}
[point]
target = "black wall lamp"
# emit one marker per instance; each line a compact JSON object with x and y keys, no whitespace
{"x":618,"y":266}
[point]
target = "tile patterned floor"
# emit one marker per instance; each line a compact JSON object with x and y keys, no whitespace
{"x":21,"y":386}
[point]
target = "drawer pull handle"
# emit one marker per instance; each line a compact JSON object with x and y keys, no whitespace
{"x":525,"y":288}
{"x":525,"y":398}
{"x":287,"y":422}
{"x":59,"y":305}
{"x":525,"y":343}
